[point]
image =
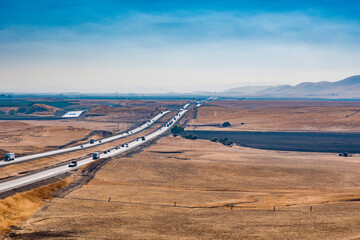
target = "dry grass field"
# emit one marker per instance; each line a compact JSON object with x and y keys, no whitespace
{"x":205,"y":179}
{"x":186,"y":189}
{"x":336,"y":116}
{"x":34,"y":139}
{"x":19,"y":207}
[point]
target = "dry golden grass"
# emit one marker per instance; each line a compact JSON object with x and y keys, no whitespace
{"x":80,"y":123}
{"x":37,"y":139}
{"x":21,"y":206}
{"x":205,"y":179}
{"x":9,"y":126}
{"x":279,"y":116}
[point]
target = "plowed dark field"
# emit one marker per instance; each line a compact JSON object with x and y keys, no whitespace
{"x":288,"y":141}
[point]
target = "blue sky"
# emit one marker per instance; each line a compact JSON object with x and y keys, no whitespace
{"x":160,"y":46}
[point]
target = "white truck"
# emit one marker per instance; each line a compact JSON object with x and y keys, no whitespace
{"x":9,"y":156}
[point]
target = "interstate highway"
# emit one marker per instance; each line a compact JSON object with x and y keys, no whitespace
{"x":87,"y":145}
{"x":36,"y":177}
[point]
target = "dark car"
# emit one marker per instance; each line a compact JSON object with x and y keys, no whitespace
{"x":105,"y":152}
{"x":73,"y":164}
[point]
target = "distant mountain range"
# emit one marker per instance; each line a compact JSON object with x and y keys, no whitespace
{"x":348,"y":88}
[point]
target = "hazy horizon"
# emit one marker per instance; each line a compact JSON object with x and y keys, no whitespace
{"x":177,"y":46}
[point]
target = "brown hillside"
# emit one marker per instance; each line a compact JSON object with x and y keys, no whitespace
{"x":42,"y":108}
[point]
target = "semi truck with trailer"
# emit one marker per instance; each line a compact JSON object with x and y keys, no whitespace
{"x":9,"y":156}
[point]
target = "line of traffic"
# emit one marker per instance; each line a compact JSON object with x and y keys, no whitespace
{"x":84,"y":146}
{"x":32,"y":178}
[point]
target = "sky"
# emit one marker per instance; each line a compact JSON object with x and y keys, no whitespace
{"x":163,"y":46}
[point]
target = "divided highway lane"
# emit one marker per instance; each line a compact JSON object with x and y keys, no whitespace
{"x":87,"y":145}
{"x":36,"y":177}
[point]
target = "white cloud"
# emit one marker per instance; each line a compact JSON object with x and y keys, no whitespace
{"x":160,"y":53}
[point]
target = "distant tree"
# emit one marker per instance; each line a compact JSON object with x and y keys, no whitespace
{"x":225,"y":141}
{"x":226,"y":124}
{"x":12,"y":112}
{"x":22,"y":109}
{"x":190,"y":136}
{"x":177,"y":129}
{"x":214,"y":140}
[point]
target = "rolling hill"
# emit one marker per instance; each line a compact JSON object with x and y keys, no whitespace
{"x":348,"y":88}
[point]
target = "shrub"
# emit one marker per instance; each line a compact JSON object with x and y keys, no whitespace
{"x":177,"y":129}
{"x":214,"y":140}
{"x":190,"y":136}
{"x":12,"y":112}
{"x":226,"y":124}
{"x":22,"y":109}
{"x":225,"y":141}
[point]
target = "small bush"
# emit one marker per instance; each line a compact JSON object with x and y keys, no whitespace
{"x":214,"y":140}
{"x":22,"y":109}
{"x":225,"y":141}
{"x":226,"y":124}
{"x":177,"y":129}
{"x":190,"y":136}
{"x":12,"y":112}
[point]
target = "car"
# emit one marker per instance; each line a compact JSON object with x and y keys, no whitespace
{"x":123,"y":145}
{"x":73,"y":164}
{"x":105,"y":152}
{"x":117,"y":148}
{"x":99,"y":141}
{"x":127,"y":145}
{"x":143,"y":138}
{"x":108,"y":150}
{"x":81,"y":146}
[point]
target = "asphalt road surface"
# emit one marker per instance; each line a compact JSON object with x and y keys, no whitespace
{"x":87,"y":145}
{"x":32,"y":178}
